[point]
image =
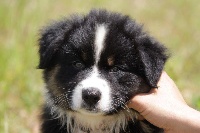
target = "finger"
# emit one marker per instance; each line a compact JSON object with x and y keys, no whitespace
{"x":140,"y":117}
{"x":138,"y":102}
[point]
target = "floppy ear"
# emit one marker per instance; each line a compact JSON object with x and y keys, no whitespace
{"x":48,"y":46}
{"x":153,"y":57}
{"x":51,"y":40}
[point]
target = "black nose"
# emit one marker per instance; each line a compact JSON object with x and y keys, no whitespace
{"x":91,"y":96}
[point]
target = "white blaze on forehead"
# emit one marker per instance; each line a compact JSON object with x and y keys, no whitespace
{"x":99,"y":40}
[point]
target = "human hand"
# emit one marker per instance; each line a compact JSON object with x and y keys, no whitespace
{"x":163,"y":107}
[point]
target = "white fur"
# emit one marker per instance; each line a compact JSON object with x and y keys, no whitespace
{"x":96,"y":123}
{"x":99,"y":40}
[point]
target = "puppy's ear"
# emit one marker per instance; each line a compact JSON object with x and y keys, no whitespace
{"x":51,"y":40}
{"x":153,"y":57}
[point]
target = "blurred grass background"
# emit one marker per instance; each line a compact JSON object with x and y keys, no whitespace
{"x":175,"y":23}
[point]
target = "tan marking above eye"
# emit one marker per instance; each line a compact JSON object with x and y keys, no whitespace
{"x":111,"y":61}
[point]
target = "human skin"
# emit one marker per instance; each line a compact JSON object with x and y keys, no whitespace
{"x":165,"y":107}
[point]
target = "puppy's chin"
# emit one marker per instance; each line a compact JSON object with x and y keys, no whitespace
{"x":91,"y":112}
{"x":98,"y":112}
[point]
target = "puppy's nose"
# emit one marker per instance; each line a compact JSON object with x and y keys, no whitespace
{"x":91,"y":96}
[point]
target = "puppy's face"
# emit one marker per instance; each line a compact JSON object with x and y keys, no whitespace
{"x":98,"y":69}
{"x":95,"y":64}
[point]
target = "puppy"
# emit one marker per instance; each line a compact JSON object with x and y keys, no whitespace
{"x":92,"y":66}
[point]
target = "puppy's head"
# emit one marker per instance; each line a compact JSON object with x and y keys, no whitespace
{"x":94,"y":64}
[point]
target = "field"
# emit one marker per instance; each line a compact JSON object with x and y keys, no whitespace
{"x":174,"y":23}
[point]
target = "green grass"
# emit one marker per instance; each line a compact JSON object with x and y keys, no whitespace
{"x":175,"y":23}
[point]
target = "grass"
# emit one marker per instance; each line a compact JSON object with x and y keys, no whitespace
{"x":175,"y":23}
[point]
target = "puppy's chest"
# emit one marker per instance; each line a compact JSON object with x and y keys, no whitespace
{"x":102,"y":128}
{"x":97,"y":131}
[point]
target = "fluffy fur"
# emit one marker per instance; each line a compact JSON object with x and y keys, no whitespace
{"x":93,"y":65}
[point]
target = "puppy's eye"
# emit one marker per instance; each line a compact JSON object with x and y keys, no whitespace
{"x":78,"y":65}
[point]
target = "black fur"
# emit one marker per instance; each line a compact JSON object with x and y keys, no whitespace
{"x":138,"y":62}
